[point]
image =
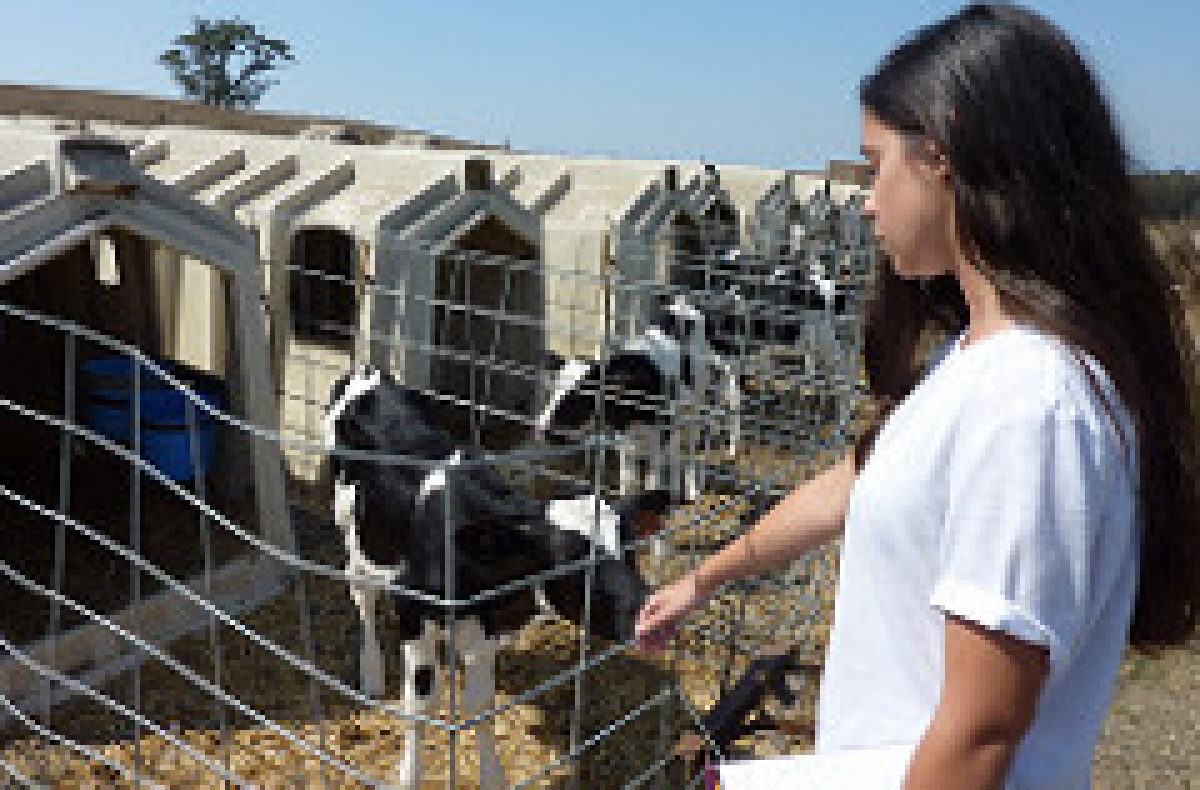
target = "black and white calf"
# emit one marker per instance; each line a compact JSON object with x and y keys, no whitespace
{"x":813,"y":302}
{"x":675,"y":361}
{"x":776,"y":301}
{"x":412,"y":525}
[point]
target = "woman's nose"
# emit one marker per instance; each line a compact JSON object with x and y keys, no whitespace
{"x":869,"y":205}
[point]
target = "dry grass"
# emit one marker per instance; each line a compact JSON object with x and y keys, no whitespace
{"x":532,"y":735}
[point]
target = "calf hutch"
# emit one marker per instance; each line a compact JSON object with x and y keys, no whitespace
{"x":129,"y":480}
{"x":306,"y":461}
{"x":644,"y":223}
{"x":362,"y":251}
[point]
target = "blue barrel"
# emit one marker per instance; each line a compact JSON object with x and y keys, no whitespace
{"x":107,"y":395}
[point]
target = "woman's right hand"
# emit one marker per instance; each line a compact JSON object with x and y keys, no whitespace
{"x":658,"y":621}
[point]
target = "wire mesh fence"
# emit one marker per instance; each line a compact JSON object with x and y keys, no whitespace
{"x":490,"y":458}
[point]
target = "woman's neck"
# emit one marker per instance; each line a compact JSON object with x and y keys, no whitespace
{"x":986,"y":316}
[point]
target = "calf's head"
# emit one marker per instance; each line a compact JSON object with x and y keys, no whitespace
{"x":370,"y":411}
{"x":634,"y":393}
{"x":618,"y":590}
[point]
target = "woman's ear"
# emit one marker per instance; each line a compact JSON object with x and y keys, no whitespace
{"x":942,"y":166}
{"x":937,"y":160}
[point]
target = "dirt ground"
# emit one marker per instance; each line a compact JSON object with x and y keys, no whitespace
{"x":1152,"y":736}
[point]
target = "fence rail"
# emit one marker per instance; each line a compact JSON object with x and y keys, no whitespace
{"x":162,"y":635}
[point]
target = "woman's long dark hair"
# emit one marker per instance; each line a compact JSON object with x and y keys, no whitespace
{"x":1045,"y":205}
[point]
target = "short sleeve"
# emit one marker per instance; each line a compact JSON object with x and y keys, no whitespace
{"x":1022,"y":497}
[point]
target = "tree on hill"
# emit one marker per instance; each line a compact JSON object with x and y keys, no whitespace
{"x":1172,"y":194}
{"x":225,"y":62}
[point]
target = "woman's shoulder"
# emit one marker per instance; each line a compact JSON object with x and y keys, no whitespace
{"x":1024,"y":382}
{"x":1025,"y":372}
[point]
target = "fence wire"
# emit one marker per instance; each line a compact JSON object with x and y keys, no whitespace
{"x":160,"y":637}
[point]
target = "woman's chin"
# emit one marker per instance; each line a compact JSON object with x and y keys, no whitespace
{"x":905,"y":269}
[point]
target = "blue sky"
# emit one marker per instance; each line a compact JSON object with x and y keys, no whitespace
{"x":755,"y":82}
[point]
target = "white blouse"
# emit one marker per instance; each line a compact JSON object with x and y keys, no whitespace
{"x":1000,"y":490}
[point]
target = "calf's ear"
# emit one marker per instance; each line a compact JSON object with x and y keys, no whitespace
{"x":645,"y":511}
{"x":656,"y":500}
{"x":566,"y":595}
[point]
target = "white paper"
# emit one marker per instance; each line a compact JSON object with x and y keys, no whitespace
{"x":862,"y":769}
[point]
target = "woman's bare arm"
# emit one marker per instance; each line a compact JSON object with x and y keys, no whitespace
{"x":813,"y":514}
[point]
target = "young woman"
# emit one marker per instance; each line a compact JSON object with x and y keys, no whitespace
{"x":1025,"y":503}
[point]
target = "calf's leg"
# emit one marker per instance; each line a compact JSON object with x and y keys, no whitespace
{"x":733,"y":400}
{"x":627,"y":460}
{"x":420,"y":691}
{"x":371,"y":659}
{"x":681,"y":461}
{"x":479,"y":696}
{"x":364,"y":596}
